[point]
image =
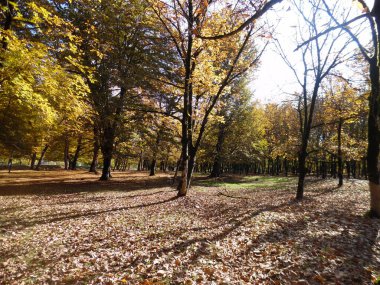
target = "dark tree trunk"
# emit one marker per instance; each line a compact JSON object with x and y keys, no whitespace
{"x":95,"y":154}
{"x":285,"y":166}
{"x":348,"y":169}
{"x":109,"y":137}
{"x":33,"y":160}
{"x":301,"y":174}
{"x":187,"y":108}
{"x":10,"y":164}
{"x":153,"y":167}
{"x":107,"y":149}
{"x":182,"y":186}
{"x":340,"y":159}
{"x":191,"y":166}
{"x":76,"y":155}
{"x":66,"y":155}
{"x":155,"y":151}
{"x":373,"y":139}
{"x":42,"y":157}
{"x":141,"y":161}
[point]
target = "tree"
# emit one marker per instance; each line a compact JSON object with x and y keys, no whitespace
{"x":207,"y":67}
{"x":342,"y":106}
{"x":232,"y":107}
{"x":318,"y":57}
{"x":38,"y":90}
{"x":119,"y":61}
{"x":372,"y":57}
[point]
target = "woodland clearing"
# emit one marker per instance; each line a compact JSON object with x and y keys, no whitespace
{"x":66,"y":227}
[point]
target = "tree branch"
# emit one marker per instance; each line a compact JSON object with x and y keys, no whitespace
{"x":249,"y":21}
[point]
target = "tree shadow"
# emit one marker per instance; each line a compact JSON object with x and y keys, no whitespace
{"x":354,"y":244}
{"x":21,"y":223}
{"x":61,"y":186}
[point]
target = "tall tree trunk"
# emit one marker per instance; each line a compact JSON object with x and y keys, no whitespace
{"x":373,"y":138}
{"x":33,"y":160}
{"x":42,"y":157}
{"x":155,"y":150}
{"x":153,"y":167}
{"x":76,"y":155}
{"x":191,"y":166}
{"x":285,"y":168}
{"x":340,"y":160}
{"x":107,"y":149}
{"x":301,"y":174}
{"x":141,"y":160}
{"x":182,"y":186}
{"x":109,"y":137}
{"x":96,"y":147}
{"x":187,"y":106}
{"x":66,"y":153}
{"x":373,"y":114}
{"x":10,"y":163}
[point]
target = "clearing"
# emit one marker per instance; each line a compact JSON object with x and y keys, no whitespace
{"x":65,"y":227}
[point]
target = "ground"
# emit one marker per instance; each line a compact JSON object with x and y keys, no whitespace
{"x":60,"y":227}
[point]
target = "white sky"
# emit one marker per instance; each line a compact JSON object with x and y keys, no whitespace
{"x":274,"y":80}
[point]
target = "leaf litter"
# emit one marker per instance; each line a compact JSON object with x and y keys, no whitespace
{"x":132,"y":235}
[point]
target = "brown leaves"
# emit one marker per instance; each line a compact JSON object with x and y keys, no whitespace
{"x":145,"y":237}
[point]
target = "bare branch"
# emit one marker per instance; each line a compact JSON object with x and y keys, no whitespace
{"x":340,"y":26}
{"x":249,"y":21}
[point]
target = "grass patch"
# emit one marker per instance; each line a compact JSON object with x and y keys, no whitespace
{"x":249,"y":182}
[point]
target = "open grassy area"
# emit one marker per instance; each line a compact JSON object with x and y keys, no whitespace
{"x":60,"y":227}
{"x":250,"y":182}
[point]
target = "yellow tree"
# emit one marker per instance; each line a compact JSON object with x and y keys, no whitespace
{"x":342,"y":106}
{"x":207,"y":67}
{"x":35,"y":84}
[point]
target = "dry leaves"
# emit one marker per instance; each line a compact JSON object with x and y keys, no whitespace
{"x":136,"y":232}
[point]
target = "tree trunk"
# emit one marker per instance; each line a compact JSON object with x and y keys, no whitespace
{"x":95,"y":154}
{"x":187,"y":110}
{"x":182,"y":186}
{"x":373,"y":140}
{"x":66,"y":153}
{"x":10,"y":163}
{"x":107,"y":149}
{"x":33,"y":160}
{"x":42,"y":157}
{"x":301,"y":174}
{"x":155,"y":150}
{"x":153,"y":167}
{"x":340,"y":160}
{"x":285,"y":166}
{"x":190,"y":169}
{"x":76,"y":155}
{"x":141,"y":160}
{"x":109,"y":137}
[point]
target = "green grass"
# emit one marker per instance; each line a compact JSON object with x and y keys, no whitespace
{"x":250,"y":182}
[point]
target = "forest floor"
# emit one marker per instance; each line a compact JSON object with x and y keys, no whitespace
{"x":60,"y":227}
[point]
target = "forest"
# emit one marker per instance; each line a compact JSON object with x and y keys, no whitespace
{"x":137,"y":145}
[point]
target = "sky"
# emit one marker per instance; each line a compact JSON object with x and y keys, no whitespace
{"x":274,"y":81}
